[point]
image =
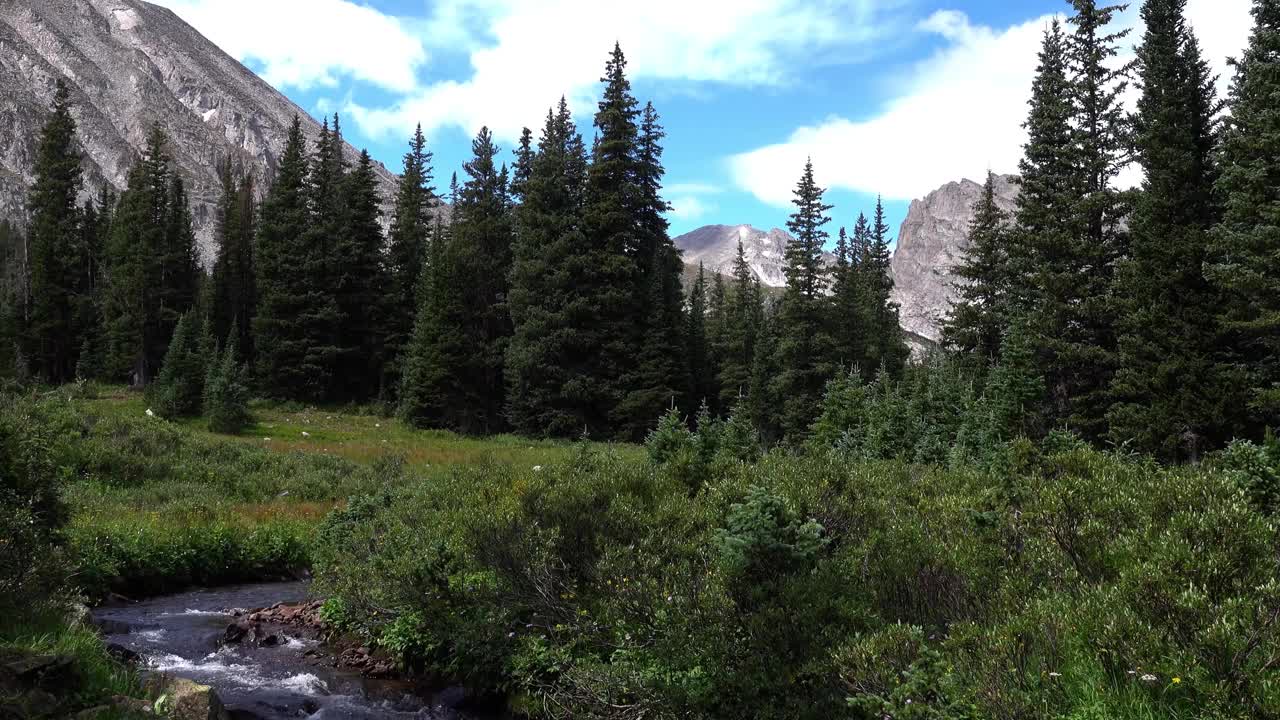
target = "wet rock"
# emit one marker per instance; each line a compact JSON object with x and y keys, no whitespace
{"x":186,"y":700}
{"x":112,"y":627}
{"x":236,"y":632}
{"x":123,"y":653}
{"x":78,"y":615}
{"x":46,"y":672}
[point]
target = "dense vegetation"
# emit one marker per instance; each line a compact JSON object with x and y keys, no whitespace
{"x":1067,"y":511}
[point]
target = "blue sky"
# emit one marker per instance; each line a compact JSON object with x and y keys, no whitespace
{"x":893,"y":97}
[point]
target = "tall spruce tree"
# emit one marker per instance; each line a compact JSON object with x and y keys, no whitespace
{"x":805,"y":349}
{"x":151,"y":266}
{"x":293,"y":327}
{"x":846,"y":308}
{"x":454,"y":375}
{"x":1246,"y":244}
{"x":56,"y":257}
{"x":1169,"y":400}
{"x":406,"y":251}
{"x":658,"y":371}
{"x":980,"y":316}
{"x":360,"y":287}
{"x":744,"y":315}
{"x":612,"y":279}
{"x":701,"y":373}
{"x":883,"y":348}
{"x":234,"y":286}
{"x":547,"y":361}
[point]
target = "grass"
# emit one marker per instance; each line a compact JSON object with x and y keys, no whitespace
{"x":160,"y":505}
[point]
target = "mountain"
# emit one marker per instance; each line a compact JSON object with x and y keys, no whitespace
{"x":933,"y":239}
{"x":131,"y":64}
{"x":716,"y":246}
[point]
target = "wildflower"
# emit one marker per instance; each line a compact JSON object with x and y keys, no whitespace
{"x":537,"y":468}
{"x":1055,"y":675}
{"x":1148,"y":678}
{"x":1177,"y":680}
{"x":149,"y":413}
{"x":306,"y":434}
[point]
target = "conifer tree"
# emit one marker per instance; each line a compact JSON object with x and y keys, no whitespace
{"x":360,"y":287}
{"x":292,"y":330}
{"x":612,"y":279}
{"x":1168,"y":400}
{"x":805,"y":349}
{"x":1246,"y":244}
{"x":657,"y":373}
{"x":744,"y":315}
{"x":55,"y":261}
{"x":523,"y":167}
{"x":763,"y":402}
{"x":151,"y":266}
{"x":881,"y":333}
{"x":234,"y":286}
{"x":546,"y":362}
{"x":980,"y":314}
{"x":454,"y":372}
{"x":406,"y":250}
{"x":179,"y":389}
{"x":226,"y":392}
{"x":702,"y":375}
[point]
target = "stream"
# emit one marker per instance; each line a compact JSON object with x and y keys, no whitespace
{"x":179,"y":635}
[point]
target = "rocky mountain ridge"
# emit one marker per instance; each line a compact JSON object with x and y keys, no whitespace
{"x":716,"y":247}
{"x":131,"y":64}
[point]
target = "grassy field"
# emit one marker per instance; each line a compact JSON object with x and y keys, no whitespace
{"x":160,"y":505}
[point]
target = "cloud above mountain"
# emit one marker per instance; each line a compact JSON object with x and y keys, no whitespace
{"x":959,"y":113}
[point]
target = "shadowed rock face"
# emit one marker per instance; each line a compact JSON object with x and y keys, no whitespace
{"x":716,"y":246}
{"x":931,"y":241}
{"x":131,"y":64}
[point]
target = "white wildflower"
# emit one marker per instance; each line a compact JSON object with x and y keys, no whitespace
{"x":1149,"y":678}
{"x":306,"y":434}
{"x":149,"y":413}
{"x":1055,"y":675}
{"x":537,"y":468}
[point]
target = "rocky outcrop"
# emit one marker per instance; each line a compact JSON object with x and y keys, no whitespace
{"x":716,"y":247}
{"x":182,"y":699}
{"x":130,"y":65}
{"x":932,"y":240}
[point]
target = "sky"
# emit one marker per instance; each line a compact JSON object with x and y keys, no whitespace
{"x":889,"y":98}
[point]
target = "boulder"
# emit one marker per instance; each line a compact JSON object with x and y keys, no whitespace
{"x":183,"y":699}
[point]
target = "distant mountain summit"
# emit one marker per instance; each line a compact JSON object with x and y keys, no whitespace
{"x":932,"y":240}
{"x":716,"y":246}
{"x":131,"y":64}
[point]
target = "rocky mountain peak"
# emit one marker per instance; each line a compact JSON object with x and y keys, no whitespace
{"x":933,"y":239}
{"x":130,"y":65}
{"x":716,"y":246}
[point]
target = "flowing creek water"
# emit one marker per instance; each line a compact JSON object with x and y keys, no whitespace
{"x":179,"y":635}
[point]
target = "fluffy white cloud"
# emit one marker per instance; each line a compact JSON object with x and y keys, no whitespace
{"x":960,"y":112}
{"x":307,"y":43}
{"x":531,"y":52}
{"x":689,"y":207}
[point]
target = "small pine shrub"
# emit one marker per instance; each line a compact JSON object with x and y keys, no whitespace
{"x":226,"y":398}
{"x":178,"y":390}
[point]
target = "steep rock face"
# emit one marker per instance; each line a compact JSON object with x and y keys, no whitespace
{"x":933,"y":239}
{"x":716,"y":246}
{"x":131,"y":64}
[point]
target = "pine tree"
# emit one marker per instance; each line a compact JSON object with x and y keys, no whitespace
{"x":51,"y":337}
{"x":612,"y":279}
{"x":407,"y":247}
{"x":658,"y":372}
{"x":234,"y":284}
{"x":359,"y":291}
{"x":1246,"y":243}
{"x":226,"y":392}
{"x":744,"y":315}
{"x":804,"y":351}
{"x":454,"y":371}
{"x":151,"y":266}
{"x":881,"y":332}
{"x":763,"y":404}
{"x":12,"y":297}
{"x":546,"y":362}
{"x":179,"y":388}
{"x":1169,"y":402}
{"x":523,"y":167}
{"x":702,"y":375}
{"x":980,"y":314}
{"x":293,"y":327}
{"x":95,"y":229}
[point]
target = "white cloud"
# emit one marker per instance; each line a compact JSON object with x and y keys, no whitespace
{"x":691,"y":188}
{"x":535,"y":51}
{"x":690,"y":207}
{"x":960,"y":112}
{"x":307,"y":43}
